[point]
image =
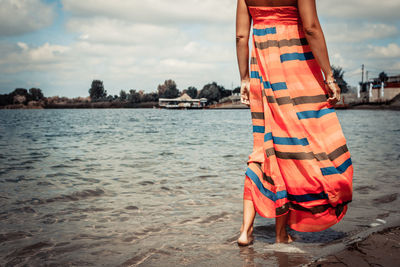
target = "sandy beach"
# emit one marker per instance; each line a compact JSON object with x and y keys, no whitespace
{"x":378,"y":249}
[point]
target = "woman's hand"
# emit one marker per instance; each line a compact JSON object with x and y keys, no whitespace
{"x":334,"y":92}
{"x":245,"y":92}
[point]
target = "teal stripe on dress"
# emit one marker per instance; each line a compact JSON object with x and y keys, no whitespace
{"x":266,"y":84}
{"x":255,"y":75}
{"x":286,"y":140}
{"x":267,"y":137}
{"x":340,"y":169}
{"x":278,"y":86}
{"x":269,"y":194}
{"x":290,"y":141}
{"x":296,"y":56}
{"x":282,"y":194}
{"x":258,"y":129}
{"x":265,"y":31}
{"x":314,"y":113}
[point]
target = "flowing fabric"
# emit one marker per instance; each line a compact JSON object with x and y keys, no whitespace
{"x":300,"y":161}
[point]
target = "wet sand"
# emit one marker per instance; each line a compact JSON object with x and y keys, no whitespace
{"x":378,"y":249}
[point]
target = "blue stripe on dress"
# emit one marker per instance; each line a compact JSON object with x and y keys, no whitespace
{"x":278,"y":86}
{"x":296,"y":56}
{"x":269,"y":194}
{"x":266,"y":84}
{"x":314,"y":113}
{"x":282,"y":194}
{"x":307,"y":197}
{"x":267,"y":137}
{"x":340,"y":169}
{"x":258,"y":129}
{"x":290,"y":141}
{"x":261,"y":32}
{"x":286,"y":140}
{"x":255,"y":75}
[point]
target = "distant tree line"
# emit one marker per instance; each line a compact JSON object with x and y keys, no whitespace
{"x":212,"y":91}
{"x":21,"y":96}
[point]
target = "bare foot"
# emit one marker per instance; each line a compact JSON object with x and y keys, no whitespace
{"x":290,"y":239}
{"x":286,"y":239}
{"x":245,"y":239}
{"x":250,"y":232}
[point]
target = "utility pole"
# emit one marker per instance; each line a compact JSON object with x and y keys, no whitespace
{"x":362,"y":74}
{"x":366,"y":76}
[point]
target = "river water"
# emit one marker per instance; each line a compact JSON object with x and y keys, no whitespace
{"x":149,"y":187}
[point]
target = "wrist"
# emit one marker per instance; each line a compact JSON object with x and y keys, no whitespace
{"x":329,"y":82}
{"x":329,"y":76}
{"x":245,"y":78}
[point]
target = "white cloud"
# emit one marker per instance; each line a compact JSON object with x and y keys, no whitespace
{"x":360,"y":9}
{"x":23,"y":16}
{"x":156,"y":11}
{"x":113,"y":31}
{"x":138,"y":44}
{"x":391,"y":51}
{"x":24,"y":58}
{"x":346,"y":32}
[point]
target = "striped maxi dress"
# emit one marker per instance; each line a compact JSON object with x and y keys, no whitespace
{"x":300,"y":161}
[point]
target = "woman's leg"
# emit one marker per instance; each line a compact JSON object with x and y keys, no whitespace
{"x":280,"y":228}
{"x":248,"y":219}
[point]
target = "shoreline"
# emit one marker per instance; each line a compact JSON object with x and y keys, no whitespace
{"x":151,"y":105}
{"x":233,"y":107}
{"x":376,"y":245}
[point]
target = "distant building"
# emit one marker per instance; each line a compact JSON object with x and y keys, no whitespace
{"x":234,"y":99}
{"x":390,"y":89}
{"x":184,"y":101}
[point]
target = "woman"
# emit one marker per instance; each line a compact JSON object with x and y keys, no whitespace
{"x":300,"y":171}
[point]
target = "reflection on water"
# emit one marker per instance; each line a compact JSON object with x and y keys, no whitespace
{"x":162,"y":187}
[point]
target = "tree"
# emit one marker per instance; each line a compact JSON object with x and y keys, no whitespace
{"x":168,"y":89}
{"x":20,"y":95}
{"x":134,"y":97}
{"x":122,"y":95}
{"x":192,"y":91}
{"x":97,"y":91}
{"x":338,"y":73}
{"x":5,"y":99}
{"x":383,"y":77}
{"x":211,"y":91}
{"x":20,"y":91}
{"x":150,"y":97}
{"x":214,"y":92}
{"x":224,"y":92}
{"x":236,"y":90}
{"x":36,"y":94}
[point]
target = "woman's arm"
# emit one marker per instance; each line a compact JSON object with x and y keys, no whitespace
{"x":314,"y":34}
{"x":243,"y":24}
{"x":316,"y":40}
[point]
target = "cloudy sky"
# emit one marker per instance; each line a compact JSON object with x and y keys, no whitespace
{"x":60,"y":46}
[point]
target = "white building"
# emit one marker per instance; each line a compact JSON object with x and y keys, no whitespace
{"x":388,"y":91}
{"x":184,"y":101}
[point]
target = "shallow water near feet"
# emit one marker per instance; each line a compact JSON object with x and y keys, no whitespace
{"x":126,"y":187}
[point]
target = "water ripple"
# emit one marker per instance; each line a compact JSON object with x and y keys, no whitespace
{"x":122,"y":187}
